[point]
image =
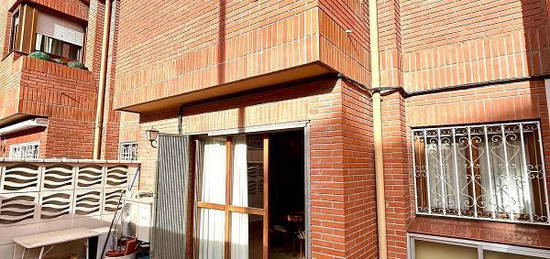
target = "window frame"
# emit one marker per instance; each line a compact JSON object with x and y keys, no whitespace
{"x":40,"y":38}
{"x":14,"y":30}
{"x":121,"y":148}
{"x":481,"y":246}
{"x":228,"y":208}
{"x":12,"y":148}
{"x":421,"y":173}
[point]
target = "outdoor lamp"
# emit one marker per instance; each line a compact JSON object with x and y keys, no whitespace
{"x":152,"y":135}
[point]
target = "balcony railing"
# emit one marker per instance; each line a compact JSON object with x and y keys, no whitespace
{"x":488,"y":172}
{"x":34,"y":191}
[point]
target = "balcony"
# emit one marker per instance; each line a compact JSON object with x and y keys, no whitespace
{"x":33,"y":87}
{"x":489,"y":172}
{"x":236,"y":48}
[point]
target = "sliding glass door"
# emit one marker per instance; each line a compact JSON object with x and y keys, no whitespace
{"x":232,"y":201}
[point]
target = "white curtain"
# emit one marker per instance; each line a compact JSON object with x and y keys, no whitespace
{"x":510,"y":191}
{"x":453,"y":180}
{"x":239,"y":221}
{"x":212,"y":190}
{"x":504,"y":187}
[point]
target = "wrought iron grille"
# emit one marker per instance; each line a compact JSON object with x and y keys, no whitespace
{"x":490,"y":172}
{"x":128,"y":151}
{"x":25,"y":150}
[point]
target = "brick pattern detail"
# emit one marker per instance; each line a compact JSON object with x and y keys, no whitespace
{"x":452,"y":43}
{"x":390,"y":43}
{"x":348,"y":53}
{"x":517,"y":234}
{"x":517,"y":101}
{"x":397,"y":178}
{"x":218,"y":48}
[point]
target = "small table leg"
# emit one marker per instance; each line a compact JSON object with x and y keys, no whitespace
{"x":24,"y":250}
{"x":87,"y":244}
{"x":41,"y":253}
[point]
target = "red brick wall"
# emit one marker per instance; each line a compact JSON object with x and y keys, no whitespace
{"x":348,"y":53}
{"x":30,"y":135}
{"x":390,"y":43}
{"x":69,"y":138}
{"x":397,"y":176}
{"x":67,"y":96}
{"x":452,"y":43}
{"x":192,"y":45}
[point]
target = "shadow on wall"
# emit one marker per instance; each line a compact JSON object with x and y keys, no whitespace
{"x":535,"y":17}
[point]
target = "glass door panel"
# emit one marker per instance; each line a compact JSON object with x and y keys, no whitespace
{"x":248,"y":174}
{"x":213,"y":171}
{"x":246,"y":236}
{"x":230,"y":197}
{"x":211,"y":233}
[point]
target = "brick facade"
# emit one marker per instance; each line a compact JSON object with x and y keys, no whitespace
{"x":342,"y":178}
{"x":235,"y":64}
{"x":456,"y":62}
{"x":66,"y":96}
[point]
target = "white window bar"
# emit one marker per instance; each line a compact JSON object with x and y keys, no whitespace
{"x":441,"y":172}
{"x":427,"y":171}
{"x":455,"y":160}
{"x":28,"y":150}
{"x":128,"y":151}
{"x":472,"y":174}
{"x":489,"y":172}
{"x":525,"y":174}
{"x":543,"y":172}
{"x":491,"y":184}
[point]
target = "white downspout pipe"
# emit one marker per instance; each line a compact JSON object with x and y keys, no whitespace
{"x":377,"y":126}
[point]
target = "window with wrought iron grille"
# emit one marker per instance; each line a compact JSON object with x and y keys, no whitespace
{"x":128,"y":151}
{"x":25,"y":150}
{"x":490,"y":172}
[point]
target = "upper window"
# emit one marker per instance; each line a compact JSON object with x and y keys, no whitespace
{"x":493,"y":172}
{"x":14,"y":30}
{"x":57,"y":48}
{"x":59,"y":38}
{"x":25,"y":150}
{"x":128,"y":151}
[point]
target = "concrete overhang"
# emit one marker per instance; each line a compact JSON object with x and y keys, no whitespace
{"x":279,"y":77}
{"x":24,"y":125}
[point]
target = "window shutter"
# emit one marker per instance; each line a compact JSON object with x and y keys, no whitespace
{"x":60,"y":29}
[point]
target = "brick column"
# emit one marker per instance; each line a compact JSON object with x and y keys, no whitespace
{"x":343,"y":207}
{"x":397,"y":177}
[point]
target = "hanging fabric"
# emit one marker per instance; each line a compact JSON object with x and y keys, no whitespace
{"x":212,"y":190}
{"x":239,"y":221}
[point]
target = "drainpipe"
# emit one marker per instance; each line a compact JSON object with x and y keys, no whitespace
{"x":180,"y":120}
{"x":377,"y":125}
{"x":100,"y":109}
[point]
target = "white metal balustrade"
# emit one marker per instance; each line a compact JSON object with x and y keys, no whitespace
{"x":489,"y":172}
